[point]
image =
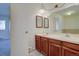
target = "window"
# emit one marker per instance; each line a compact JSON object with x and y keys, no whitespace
{"x":2,"y":24}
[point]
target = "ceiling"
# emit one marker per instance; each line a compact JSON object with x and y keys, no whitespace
{"x":52,"y":6}
{"x":74,"y":9}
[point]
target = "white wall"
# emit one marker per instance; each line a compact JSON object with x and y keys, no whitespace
{"x":23,"y":19}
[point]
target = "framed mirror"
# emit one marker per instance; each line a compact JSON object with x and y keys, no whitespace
{"x":39,"y":22}
{"x":66,"y":20}
{"x":46,"y":23}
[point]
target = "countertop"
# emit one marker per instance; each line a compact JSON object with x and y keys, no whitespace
{"x":63,"y":37}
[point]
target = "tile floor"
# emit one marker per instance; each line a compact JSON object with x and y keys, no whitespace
{"x":35,"y":53}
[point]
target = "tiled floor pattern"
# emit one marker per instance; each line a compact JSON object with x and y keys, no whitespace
{"x":35,"y":53}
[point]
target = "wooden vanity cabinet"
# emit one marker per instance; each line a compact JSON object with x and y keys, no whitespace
{"x":54,"y":47}
{"x":69,"y":52}
{"x":37,"y":43}
{"x":41,"y":44}
{"x":44,"y":46}
{"x":70,"y":49}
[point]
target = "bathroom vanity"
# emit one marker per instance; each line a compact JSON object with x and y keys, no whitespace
{"x":57,"y":45}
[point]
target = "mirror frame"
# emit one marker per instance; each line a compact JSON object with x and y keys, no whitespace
{"x":46,"y":22}
{"x":39,"y":20}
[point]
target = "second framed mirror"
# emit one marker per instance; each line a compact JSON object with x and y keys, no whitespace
{"x":46,"y":22}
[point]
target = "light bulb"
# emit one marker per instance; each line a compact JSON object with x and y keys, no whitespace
{"x":41,"y":11}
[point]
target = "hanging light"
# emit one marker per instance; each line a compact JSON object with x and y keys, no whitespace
{"x":42,"y":10}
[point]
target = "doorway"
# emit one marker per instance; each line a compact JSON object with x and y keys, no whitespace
{"x":4,"y":29}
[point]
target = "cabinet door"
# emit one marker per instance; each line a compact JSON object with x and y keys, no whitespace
{"x":44,"y":46}
{"x":54,"y":49}
{"x":69,"y":52}
{"x":37,"y":42}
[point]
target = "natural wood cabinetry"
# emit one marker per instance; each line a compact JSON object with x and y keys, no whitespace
{"x":37,"y":43}
{"x":54,"y":47}
{"x":70,"y":49}
{"x":41,"y":44}
{"x":69,"y":52}
{"x":44,"y":46}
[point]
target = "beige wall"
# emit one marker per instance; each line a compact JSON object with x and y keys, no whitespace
{"x":71,"y":23}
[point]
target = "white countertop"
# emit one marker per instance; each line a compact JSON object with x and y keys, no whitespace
{"x":63,"y":37}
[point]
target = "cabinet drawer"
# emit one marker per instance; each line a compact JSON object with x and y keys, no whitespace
{"x":55,"y":41}
{"x":71,"y":45}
